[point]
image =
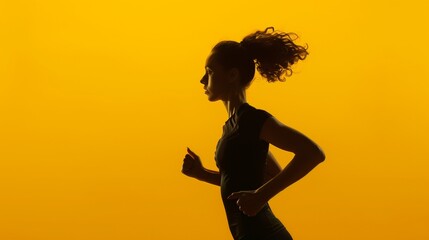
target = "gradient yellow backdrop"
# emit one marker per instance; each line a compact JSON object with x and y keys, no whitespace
{"x":99,"y":100}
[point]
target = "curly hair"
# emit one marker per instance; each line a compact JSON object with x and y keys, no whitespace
{"x":273,"y":52}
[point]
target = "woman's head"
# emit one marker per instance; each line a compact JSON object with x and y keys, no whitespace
{"x":272,"y":52}
{"x":226,"y":68}
{"x":232,"y":55}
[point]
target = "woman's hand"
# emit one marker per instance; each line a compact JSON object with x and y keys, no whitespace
{"x":249,"y":202}
{"x":192,"y":165}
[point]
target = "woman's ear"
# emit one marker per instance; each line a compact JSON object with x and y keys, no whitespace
{"x":234,"y":75}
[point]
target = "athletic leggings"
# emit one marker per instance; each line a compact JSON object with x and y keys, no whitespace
{"x":283,"y":234}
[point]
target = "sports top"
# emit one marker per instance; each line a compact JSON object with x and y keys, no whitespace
{"x":241,"y":158}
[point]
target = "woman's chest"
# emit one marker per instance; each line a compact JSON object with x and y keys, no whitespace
{"x":232,"y":146}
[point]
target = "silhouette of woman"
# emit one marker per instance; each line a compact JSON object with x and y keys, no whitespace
{"x":249,"y":176}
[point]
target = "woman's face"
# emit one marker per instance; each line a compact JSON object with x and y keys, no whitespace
{"x":215,"y":80}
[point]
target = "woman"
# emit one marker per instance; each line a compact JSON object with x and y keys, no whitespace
{"x":249,"y":176}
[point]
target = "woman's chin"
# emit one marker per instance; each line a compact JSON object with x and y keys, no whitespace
{"x":211,"y":98}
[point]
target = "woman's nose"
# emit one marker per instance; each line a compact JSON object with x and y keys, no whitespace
{"x":204,"y":79}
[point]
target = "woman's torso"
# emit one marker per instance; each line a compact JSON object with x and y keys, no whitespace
{"x":241,"y":158}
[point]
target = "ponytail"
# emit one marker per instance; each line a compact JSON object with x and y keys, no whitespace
{"x":274,"y":52}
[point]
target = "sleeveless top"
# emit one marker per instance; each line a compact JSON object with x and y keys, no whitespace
{"x":241,"y":158}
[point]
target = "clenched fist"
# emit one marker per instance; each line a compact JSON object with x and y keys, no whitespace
{"x":192,"y":165}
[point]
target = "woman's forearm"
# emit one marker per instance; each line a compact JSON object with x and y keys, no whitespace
{"x":210,"y":176}
{"x":295,"y":170}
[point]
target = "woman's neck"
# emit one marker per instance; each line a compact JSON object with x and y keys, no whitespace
{"x":234,"y":102}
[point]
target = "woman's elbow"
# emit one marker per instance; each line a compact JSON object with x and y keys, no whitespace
{"x":320,"y":157}
{"x":316,"y":155}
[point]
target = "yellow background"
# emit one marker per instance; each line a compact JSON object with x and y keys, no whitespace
{"x":99,"y":100}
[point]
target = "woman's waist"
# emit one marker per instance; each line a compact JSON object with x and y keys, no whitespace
{"x":262,"y":224}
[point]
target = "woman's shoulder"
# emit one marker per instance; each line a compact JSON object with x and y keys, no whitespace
{"x":251,"y":120}
{"x":250,"y":113}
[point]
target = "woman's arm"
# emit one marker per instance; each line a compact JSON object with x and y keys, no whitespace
{"x":307,"y":156}
{"x":210,"y":176}
{"x":193,"y":167}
